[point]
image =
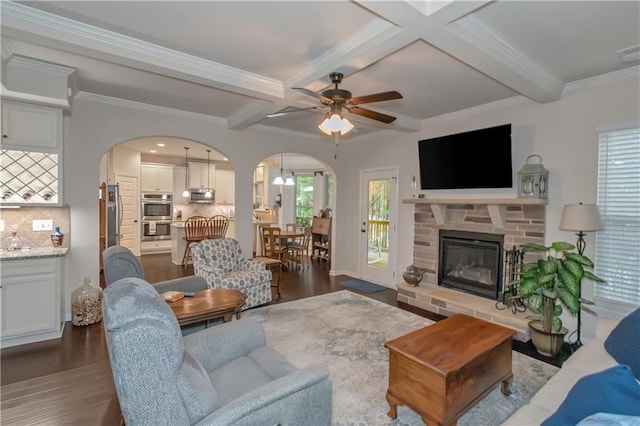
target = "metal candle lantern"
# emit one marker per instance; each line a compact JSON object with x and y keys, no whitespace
{"x":533,"y":180}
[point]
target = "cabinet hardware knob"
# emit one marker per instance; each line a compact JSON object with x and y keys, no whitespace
{"x":5,"y":136}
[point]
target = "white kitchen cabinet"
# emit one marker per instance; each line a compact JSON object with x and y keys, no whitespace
{"x":156,"y":178}
{"x":30,"y":298}
{"x":154,"y":247}
{"x":30,"y":127}
{"x":201,"y":176}
{"x":32,"y":146}
{"x":179,"y":185}
{"x":225,"y":187}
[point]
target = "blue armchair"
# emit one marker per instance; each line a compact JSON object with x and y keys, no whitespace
{"x":221,"y":263}
{"x":223,"y":375}
{"x":120,"y":262}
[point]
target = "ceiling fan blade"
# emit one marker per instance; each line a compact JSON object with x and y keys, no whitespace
{"x":377,"y":97}
{"x":372,"y":114}
{"x":290,"y":110}
{"x":313,"y":94}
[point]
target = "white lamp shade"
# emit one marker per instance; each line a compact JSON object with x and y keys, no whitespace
{"x":335,"y":123}
{"x":580,"y":217}
{"x":185,"y":193}
{"x":278,"y":181}
{"x":289,"y":182}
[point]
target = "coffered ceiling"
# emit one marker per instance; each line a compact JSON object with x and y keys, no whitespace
{"x":237,"y":61}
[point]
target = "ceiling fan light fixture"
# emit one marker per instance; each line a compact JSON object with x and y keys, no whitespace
{"x":335,"y":123}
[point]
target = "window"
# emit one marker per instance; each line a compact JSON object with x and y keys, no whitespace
{"x":304,"y":200}
{"x":618,"y":245}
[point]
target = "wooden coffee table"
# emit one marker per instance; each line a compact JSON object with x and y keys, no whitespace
{"x":442,"y":370}
{"x":209,"y":304}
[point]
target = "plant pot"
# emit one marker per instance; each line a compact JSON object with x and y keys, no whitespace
{"x":546,"y":343}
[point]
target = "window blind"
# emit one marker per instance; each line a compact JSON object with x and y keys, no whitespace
{"x":618,"y":245}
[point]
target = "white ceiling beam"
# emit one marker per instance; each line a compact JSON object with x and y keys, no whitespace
{"x":372,"y":42}
{"x":57,"y":32}
{"x":451,"y":29}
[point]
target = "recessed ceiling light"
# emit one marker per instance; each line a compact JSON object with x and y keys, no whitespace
{"x":153,"y":151}
{"x":225,"y":159}
{"x":160,"y":144}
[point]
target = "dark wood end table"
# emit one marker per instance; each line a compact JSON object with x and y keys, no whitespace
{"x":442,"y":370}
{"x":208,"y":304}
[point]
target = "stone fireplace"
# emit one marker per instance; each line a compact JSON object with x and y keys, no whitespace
{"x":508,"y":222}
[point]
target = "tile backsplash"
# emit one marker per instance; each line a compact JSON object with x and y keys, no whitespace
{"x":24,"y":217}
{"x":183,"y":211}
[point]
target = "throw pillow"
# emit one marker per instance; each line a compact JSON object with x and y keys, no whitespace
{"x":623,"y":344}
{"x":610,"y":391}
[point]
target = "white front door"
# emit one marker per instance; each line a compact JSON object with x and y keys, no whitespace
{"x":378,"y":220}
{"x":130,"y":199}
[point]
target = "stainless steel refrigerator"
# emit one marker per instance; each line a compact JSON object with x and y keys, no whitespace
{"x":113,"y":215}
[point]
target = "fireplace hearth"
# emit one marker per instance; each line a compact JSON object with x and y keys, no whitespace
{"x":471,"y":262}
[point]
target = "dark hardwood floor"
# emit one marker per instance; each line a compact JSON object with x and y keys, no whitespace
{"x":68,"y":381}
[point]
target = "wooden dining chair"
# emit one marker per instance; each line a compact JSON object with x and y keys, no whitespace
{"x":271,"y":242}
{"x":194,"y":231}
{"x":217,"y":227}
{"x":297,"y":249}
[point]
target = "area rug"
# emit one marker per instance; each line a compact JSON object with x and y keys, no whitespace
{"x":347,"y":332}
{"x":363,"y":286}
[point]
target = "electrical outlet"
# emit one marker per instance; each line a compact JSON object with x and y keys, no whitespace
{"x":43,"y":225}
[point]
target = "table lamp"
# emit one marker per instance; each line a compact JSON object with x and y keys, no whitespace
{"x":580,"y":217}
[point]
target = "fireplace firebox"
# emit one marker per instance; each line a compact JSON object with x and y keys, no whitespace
{"x":471,"y":262}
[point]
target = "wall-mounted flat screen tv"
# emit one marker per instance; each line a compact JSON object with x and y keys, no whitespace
{"x":476,"y":159}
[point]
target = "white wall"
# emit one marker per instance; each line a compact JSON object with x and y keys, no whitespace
{"x":94,"y":128}
{"x":564,"y":133}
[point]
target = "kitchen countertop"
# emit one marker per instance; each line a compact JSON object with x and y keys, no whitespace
{"x":180,"y":223}
{"x":34,"y":253}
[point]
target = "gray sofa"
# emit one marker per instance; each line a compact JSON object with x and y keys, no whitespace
{"x":223,"y":375}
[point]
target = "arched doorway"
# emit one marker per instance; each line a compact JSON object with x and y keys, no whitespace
{"x":151,"y":176}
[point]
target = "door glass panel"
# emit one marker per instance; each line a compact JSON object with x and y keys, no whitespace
{"x":378,"y":224}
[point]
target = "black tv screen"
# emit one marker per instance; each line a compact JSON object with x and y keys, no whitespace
{"x":476,"y":159}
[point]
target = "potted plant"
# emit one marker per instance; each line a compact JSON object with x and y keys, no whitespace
{"x":546,"y":285}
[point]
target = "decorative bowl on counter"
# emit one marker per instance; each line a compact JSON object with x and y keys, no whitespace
{"x":413,"y":275}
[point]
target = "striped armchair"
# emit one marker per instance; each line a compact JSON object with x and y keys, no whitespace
{"x":221,"y":263}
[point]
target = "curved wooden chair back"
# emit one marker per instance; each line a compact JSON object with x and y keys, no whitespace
{"x":195,"y":228}
{"x":217,"y":227}
{"x":271,"y":242}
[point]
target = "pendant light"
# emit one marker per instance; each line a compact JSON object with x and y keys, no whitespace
{"x":185,"y":193}
{"x":208,"y":193}
{"x":278,"y":180}
{"x":289,"y":181}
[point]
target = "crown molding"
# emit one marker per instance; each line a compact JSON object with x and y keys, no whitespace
{"x":40,"y":66}
{"x":93,"y":97}
{"x":630,"y":72}
{"x":10,"y":95}
{"x":80,"y":38}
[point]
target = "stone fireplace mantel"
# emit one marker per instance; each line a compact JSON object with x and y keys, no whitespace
{"x":518,"y":220}
{"x":496,"y":207}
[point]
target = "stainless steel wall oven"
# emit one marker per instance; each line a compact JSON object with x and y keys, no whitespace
{"x":156,"y":206}
{"x":156,"y":230}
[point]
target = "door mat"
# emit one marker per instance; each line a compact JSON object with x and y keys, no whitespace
{"x":363,"y":286}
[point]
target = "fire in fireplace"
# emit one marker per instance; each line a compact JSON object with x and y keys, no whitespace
{"x":471,"y":262}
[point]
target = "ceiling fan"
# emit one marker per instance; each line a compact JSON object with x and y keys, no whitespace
{"x":337,"y":99}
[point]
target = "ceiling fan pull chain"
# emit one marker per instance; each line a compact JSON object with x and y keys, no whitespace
{"x":336,"y":136}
